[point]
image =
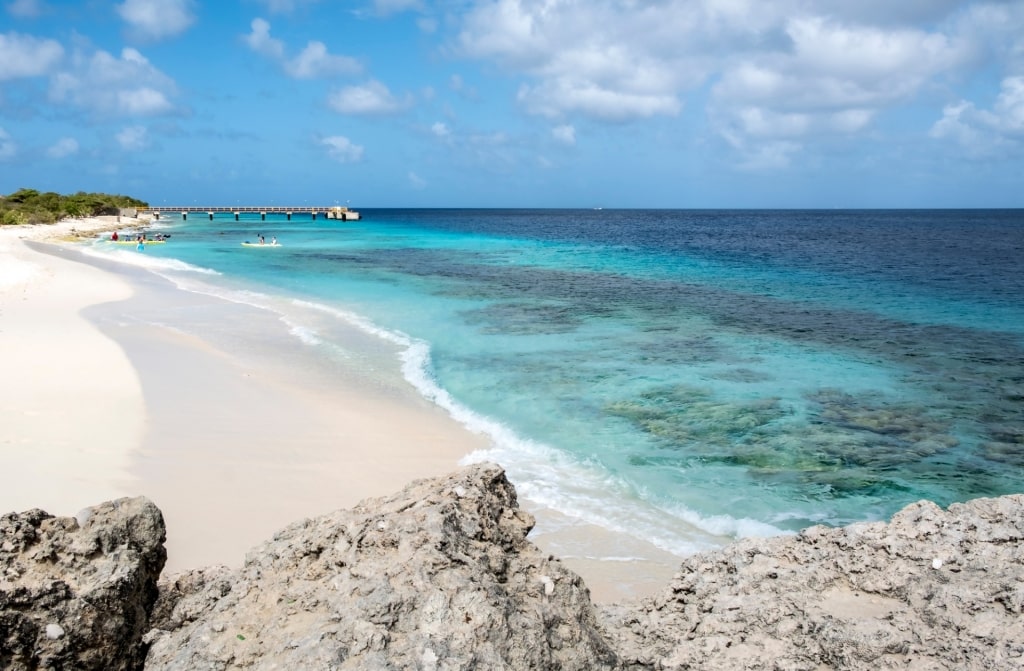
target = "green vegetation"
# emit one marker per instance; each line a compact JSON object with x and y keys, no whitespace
{"x":28,"y":206}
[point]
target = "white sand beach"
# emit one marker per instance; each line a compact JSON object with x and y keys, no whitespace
{"x":231,"y":453}
{"x":62,"y":381}
{"x":96,"y":403}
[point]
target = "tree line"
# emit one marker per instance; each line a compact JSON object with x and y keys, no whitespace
{"x":28,"y":206}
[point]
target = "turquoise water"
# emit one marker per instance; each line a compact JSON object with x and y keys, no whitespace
{"x":675,"y":375}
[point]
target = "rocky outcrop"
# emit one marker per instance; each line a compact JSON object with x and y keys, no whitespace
{"x":75,"y":593}
{"x":439,"y":576}
{"x":933,"y":589}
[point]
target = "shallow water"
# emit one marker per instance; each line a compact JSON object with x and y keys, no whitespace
{"x":675,"y":375}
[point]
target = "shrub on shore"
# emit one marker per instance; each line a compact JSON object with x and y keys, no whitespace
{"x":28,"y":206}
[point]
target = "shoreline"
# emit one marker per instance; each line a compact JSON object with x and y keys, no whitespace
{"x":236,"y":434}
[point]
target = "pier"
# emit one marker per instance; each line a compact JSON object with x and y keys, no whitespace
{"x":329,"y":212}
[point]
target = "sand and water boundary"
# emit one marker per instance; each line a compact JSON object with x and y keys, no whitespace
{"x":115,"y":385}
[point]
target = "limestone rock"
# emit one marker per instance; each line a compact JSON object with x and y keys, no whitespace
{"x":933,"y":589}
{"x":439,"y":576}
{"x":76,"y":593}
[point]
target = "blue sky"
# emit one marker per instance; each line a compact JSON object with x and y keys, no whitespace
{"x":517,"y":103}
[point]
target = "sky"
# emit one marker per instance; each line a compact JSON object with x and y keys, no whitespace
{"x":517,"y":103}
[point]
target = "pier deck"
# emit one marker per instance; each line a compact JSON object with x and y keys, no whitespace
{"x":329,"y":212}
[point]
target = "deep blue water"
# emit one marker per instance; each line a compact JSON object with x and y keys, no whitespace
{"x":679,"y":375}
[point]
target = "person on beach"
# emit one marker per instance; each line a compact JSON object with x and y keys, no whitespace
{"x":142,"y":242}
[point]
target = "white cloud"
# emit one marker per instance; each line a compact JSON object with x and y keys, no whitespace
{"x":593,"y":58}
{"x":440,"y":130}
{"x":156,"y":19}
{"x":986,"y":132}
{"x":260,"y":41}
{"x":133,"y":138}
{"x":109,"y":86}
{"x":565,"y":134}
{"x":416,"y":181}
{"x":314,"y":61}
{"x":8,"y":149}
{"x":342,"y":149}
{"x":557,"y":97}
{"x":27,"y":56}
{"x":779,"y":73}
{"x":66,"y":146}
{"x":25,"y":9}
{"x":142,"y":101}
{"x":371,"y":98}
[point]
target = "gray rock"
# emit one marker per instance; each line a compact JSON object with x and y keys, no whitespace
{"x":933,"y":589}
{"x":78,"y":595}
{"x":439,"y":576}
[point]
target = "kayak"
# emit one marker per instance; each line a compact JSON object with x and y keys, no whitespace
{"x":135,"y":242}
{"x":265,"y":244}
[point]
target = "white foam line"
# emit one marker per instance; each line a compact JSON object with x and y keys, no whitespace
{"x":530,"y":464}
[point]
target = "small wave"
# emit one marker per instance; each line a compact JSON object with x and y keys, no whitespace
{"x":303,"y":333}
{"x":552,"y":478}
{"x":154,"y":263}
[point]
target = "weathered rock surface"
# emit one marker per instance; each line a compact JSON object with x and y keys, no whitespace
{"x":439,"y":576}
{"x":933,"y":589}
{"x":76,"y":593}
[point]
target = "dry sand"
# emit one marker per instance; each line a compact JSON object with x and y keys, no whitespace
{"x":103,"y":394}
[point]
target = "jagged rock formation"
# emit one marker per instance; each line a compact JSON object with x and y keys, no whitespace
{"x":933,"y":589}
{"x":439,"y":576}
{"x":76,"y":593}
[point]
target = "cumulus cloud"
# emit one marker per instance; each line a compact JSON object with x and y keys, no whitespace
{"x":27,"y":56}
{"x":8,"y":149}
{"x":440,"y":130}
{"x":983,"y":132}
{"x":342,"y":149}
{"x":133,"y":138}
{"x":564,"y":134}
{"x":589,"y":58}
{"x":111,"y":86}
{"x":157,"y":19}
{"x":558,"y":97}
{"x":372,"y":98}
{"x":66,"y":146}
{"x":779,"y":74}
{"x":313,"y":62}
{"x":260,"y":41}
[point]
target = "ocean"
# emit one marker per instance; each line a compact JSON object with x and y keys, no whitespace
{"x":684,"y":377}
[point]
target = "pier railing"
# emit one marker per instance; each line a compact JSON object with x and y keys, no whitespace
{"x":329,"y":211}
